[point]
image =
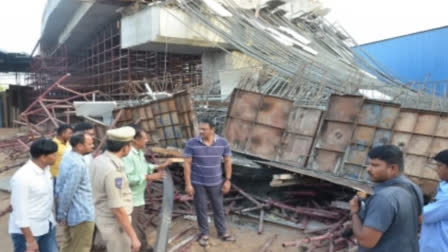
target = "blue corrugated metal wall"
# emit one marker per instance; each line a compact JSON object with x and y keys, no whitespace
{"x":416,"y":57}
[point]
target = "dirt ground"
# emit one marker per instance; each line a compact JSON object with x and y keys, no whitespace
{"x":245,"y":231}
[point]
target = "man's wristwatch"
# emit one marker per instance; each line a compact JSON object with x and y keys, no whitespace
{"x":227,"y":179}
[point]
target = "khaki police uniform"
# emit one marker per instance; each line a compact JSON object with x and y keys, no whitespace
{"x":110,"y":189}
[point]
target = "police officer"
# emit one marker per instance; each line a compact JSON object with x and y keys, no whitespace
{"x":112,"y":195}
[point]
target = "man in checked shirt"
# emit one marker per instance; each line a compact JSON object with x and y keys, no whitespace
{"x":75,"y":210}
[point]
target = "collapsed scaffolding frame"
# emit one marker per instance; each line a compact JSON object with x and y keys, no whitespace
{"x":101,"y":64}
{"x":305,"y":57}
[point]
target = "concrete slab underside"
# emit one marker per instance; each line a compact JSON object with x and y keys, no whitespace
{"x":167,"y":30}
{"x":74,"y":22}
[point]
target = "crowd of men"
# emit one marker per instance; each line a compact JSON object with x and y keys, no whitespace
{"x":64,"y":186}
{"x":107,"y":193}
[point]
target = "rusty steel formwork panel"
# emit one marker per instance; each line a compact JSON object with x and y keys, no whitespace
{"x":245,"y":105}
{"x":352,"y":126}
{"x":336,"y":133}
{"x":372,"y":128}
{"x":342,"y":144}
{"x":423,"y":136}
{"x":169,"y":121}
{"x":271,"y":128}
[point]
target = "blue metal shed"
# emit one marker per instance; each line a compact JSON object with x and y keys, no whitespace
{"x":421,"y":56}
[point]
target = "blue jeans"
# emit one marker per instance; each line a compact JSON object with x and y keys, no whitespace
{"x":46,"y":242}
{"x":201,"y":196}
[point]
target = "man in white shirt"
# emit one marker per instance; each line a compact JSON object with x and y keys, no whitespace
{"x":31,"y":223}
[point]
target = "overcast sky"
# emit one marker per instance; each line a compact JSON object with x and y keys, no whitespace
{"x":20,"y":24}
{"x":373,"y":20}
{"x":365,"y":20}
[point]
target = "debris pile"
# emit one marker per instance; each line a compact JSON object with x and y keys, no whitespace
{"x":318,"y":208}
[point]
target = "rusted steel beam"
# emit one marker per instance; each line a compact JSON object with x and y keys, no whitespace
{"x":56,"y":101}
{"x":269,"y":243}
{"x":256,"y":202}
{"x":71,"y":90}
{"x":233,"y":199}
{"x":277,"y":221}
{"x":253,"y":208}
{"x":42,"y":122}
{"x":230,"y":207}
{"x":46,"y":92}
{"x":23,"y":144}
{"x":305,"y":210}
{"x":30,"y":126}
{"x":61,"y":122}
{"x":306,"y":240}
{"x":329,"y":228}
{"x":20,"y":122}
{"x":339,"y":240}
{"x":187,"y":247}
{"x":57,"y":104}
{"x":49,"y":114}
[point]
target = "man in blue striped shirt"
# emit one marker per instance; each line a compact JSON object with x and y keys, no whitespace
{"x":204,"y":180}
{"x":75,"y":210}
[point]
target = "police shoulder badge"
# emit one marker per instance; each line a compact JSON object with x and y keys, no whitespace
{"x":118,"y":182}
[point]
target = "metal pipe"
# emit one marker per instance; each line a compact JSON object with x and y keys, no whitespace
{"x":305,"y":210}
{"x":249,"y":209}
{"x":268,"y":244}
{"x":183,"y":243}
{"x":165,"y":214}
{"x":256,"y":202}
{"x":182,"y":233}
{"x":46,"y":92}
{"x":260,"y":222}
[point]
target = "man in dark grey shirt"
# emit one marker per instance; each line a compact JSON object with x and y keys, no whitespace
{"x":389,"y":220}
